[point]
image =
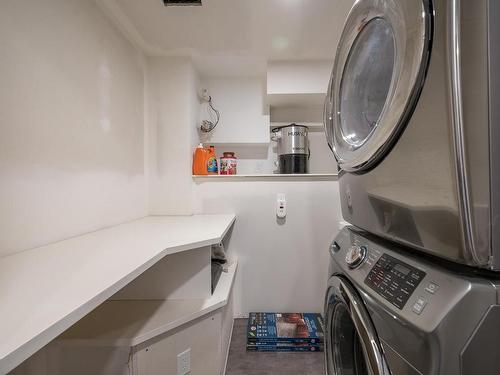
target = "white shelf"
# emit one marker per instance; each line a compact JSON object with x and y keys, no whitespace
{"x":45,"y":291}
{"x":239,"y":145}
{"x":268,"y":177}
{"x":296,"y":99}
{"x":130,"y":323}
{"x":313,"y":126}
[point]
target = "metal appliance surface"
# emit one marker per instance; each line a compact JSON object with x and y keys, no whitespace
{"x":412,"y":116}
{"x":292,"y":148}
{"x":400,"y":315}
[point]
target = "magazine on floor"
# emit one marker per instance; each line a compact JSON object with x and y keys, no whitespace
{"x":275,"y":328}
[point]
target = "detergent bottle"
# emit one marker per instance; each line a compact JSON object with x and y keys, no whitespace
{"x":212,"y":161}
{"x":200,"y":160}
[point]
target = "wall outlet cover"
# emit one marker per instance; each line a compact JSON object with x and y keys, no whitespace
{"x":281,"y":205}
{"x":184,"y":362}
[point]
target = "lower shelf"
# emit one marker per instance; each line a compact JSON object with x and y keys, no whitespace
{"x":269,"y":177}
{"x":132,"y":322}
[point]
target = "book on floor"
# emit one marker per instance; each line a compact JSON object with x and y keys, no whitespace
{"x":275,"y":328}
{"x":284,"y":347}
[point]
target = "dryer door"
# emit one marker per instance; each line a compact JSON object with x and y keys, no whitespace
{"x":351,"y":343}
{"x":377,"y":78}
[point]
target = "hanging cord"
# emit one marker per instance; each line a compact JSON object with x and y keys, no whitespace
{"x":208,"y":125}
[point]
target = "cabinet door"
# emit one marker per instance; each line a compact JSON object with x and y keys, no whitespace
{"x":203,"y":338}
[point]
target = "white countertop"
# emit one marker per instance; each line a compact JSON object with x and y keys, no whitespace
{"x":46,"y":290}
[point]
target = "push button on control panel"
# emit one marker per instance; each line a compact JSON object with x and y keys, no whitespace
{"x":432,"y":288}
{"x":419,"y":305}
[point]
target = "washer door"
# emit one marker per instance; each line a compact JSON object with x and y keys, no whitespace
{"x":378,"y":75}
{"x":351,"y":343}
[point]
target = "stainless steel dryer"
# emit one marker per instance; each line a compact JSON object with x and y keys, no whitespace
{"x":413,"y":118}
{"x":388,"y":313}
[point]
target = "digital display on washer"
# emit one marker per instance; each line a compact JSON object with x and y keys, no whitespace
{"x":402,"y":269}
{"x":394,"y":280}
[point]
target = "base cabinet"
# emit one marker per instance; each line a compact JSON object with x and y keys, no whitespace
{"x":203,"y":338}
{"x":207,"y":338}
{"x":166,"y":311}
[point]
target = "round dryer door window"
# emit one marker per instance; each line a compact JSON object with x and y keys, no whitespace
{"x":377,"y":78}
{"x":366,"y":81}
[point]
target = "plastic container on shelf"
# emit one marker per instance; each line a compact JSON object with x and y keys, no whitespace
{"x":200,"y":159}
{"x":212,"y":161}
{"x":228,"y":164}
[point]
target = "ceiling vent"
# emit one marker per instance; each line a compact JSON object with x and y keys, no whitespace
{"x":182,"y":2}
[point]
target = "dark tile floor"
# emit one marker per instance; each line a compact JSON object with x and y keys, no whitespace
{"x":241,"y":362}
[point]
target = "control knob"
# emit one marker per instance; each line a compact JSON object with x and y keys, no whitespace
{"x":355,"y":256}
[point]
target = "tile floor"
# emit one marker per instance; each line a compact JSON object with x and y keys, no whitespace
{"x":241,"y":362}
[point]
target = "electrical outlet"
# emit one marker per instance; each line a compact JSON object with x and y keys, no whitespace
{"x":281,"y":206}
{"x":184,"y":362}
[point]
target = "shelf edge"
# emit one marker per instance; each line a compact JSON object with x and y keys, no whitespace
{"x":267,"y":177}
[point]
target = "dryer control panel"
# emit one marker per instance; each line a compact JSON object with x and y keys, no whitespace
{"x":394,"y":280}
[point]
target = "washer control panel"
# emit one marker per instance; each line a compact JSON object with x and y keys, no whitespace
{"x":394,"y":280}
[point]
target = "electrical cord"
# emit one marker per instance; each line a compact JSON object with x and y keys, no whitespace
{"x":209,"y":125}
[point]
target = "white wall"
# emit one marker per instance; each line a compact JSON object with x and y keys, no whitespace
{"x":282,"y":266}
{"x":172,"y":117}
{"x":244,"y":117}
{"x":296,"y":77}
{"x":71,"y":123}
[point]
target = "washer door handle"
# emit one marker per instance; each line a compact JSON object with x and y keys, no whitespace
{"x":365,"y":329}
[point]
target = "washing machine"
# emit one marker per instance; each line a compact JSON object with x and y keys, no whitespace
{"x":413,"y":117}
{"x":387,"y":312}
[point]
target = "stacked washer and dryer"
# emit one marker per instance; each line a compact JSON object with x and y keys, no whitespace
{"x":413,"y":118}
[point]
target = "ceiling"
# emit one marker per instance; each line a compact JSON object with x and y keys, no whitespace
{"x":250,"y":32}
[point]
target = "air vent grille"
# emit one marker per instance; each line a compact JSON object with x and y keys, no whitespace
{"x":182,"y":2}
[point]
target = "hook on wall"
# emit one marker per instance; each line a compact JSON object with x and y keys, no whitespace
{"x":211,"y":123}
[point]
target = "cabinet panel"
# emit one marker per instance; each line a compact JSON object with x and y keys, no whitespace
{"x":159,"y":357}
